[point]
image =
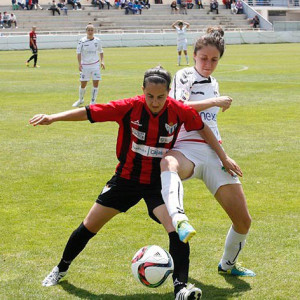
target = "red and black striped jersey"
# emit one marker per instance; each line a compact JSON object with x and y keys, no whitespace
{"x":32,"y":39}
{"x":143,"y":137}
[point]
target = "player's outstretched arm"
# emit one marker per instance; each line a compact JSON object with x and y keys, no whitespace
{"x":223,"y":101}
{"x":70,"y":115}
{"x":229,"y":164}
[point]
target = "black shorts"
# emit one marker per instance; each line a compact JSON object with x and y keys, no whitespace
{"x":34,"y":50}
{"x":122,"y":194}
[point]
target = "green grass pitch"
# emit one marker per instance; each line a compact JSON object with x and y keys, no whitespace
{"x":51,"y":176}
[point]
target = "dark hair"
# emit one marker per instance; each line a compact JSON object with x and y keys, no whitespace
{"x":213,"y":37}
{"x":180,"y":23}
{"x":157,"y":75}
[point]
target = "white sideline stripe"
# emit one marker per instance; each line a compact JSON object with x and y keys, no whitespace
{"x":240,"y":68}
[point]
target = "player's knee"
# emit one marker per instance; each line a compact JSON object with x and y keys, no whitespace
{"x":169,"y":163}
{"x":244,"y":224}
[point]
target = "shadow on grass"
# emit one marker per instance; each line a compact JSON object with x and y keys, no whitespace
{"x":239,"y":287}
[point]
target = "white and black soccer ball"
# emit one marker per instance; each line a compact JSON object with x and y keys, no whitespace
{"x":152,"y":265}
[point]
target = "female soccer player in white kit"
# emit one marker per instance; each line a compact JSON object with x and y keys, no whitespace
{"x":181,"y":27}
{"x":191,"y":157}
{"x":88,"y":50}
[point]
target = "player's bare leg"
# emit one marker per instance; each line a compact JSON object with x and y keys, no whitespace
{"x":231,"y":197}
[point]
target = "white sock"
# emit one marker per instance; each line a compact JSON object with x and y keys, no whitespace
{"x":187,"y":59}
{"x":234,"y":243}
{"x":94,"y":94}
{"x":81,"y":93}
{"x":179,"y":59}
{"x":172,"y":193}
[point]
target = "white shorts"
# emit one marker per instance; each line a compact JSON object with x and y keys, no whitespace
{"x":208,"y":166}
{"x":88,"y":72}
{"x":182,"y":46}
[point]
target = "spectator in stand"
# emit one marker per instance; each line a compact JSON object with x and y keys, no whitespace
{"x":122,"y":3}
{"x":62,"y":5}
{"x":77,"y":4}
{"x":182,"y":6}
{"x":14,"y":4}
{"x":189,"y":4}
{"x":233,"y":8}
{"x":117,"y":4}
{"x":72,"y":2}
{"x":107,"y":3}
{"x":130,"y":7}
{"x":255,"y":22}
{"x":174,"y":8}
{"x":54,"y":8}
{"x":227,"y":4}
{"x":138,"y":6}
{"x":21,"y":4}
{"x":13,"y":20}
{"x":214,"y":5}
{"x":6,"y":20}
{"x":36,"y":4}
{"x":101,"y":4}
{"x":146,"y":4}
{"x":199,"y":4}
{"x":239,"y":6}
{"x":29,"y":4}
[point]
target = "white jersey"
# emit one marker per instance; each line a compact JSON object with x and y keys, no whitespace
{"x":181,"y":34}
{"x":189,"y":85}
{"x":89,"y":50}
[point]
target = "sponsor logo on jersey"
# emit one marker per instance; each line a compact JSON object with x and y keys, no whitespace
{"x":166,"y":139}
{"x":138,"y":134}
{"x":148,"y":151}
{"x":207,"y":116}
{"x":170,"y":128}
{"x":137,"y":122}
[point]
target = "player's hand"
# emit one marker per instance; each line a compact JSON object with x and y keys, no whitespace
{"x":102,"y":65}
{"x":224,"y":102}
{"x":41,"y":119}
{"x":232,"y":167}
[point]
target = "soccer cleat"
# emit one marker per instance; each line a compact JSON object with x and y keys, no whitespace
{"x":36,"y":66}
{"x":27,"y":64}
{"x":54,"y":277}
{"x":77,"y":103}
{"x":189,"y":293}
{"x":93,"y":102}
{"x":237,"y":270}
{"x":185,"y":231}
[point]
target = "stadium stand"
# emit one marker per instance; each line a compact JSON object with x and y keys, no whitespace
{"x":156,"y":19}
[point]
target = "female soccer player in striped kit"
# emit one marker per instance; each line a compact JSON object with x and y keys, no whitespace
{"x":192,"y":157}
{"x":88,"y":50}
{"x":148,"y":127}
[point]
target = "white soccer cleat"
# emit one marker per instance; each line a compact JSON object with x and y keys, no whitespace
{"x":189,"y":293}
{"x":54,"y":277}
{"x":93,"y":102}
{"x":77,"y":103}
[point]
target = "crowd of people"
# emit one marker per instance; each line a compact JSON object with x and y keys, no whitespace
{"x":8,"y":20}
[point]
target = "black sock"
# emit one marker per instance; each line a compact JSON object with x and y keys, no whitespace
{"x":35,"y":60}
{"x":76,"y":243}
{"x":31,"y":57}
{"x":180,"y":253}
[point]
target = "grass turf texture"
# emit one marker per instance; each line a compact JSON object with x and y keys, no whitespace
{"x":50,"y":177}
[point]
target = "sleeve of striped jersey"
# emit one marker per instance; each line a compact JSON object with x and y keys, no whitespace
{"x":112,"y":111}
{"x":192,"y":120}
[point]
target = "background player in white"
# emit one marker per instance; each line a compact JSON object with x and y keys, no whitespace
{"x":88,"y":50}
{"x":181,"y":27}
{"x":192,"y":157}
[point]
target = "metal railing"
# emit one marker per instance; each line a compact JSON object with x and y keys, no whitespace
{"x":274,"y":3}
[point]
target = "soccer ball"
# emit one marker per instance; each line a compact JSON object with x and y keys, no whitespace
{"x":152,"y":265}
